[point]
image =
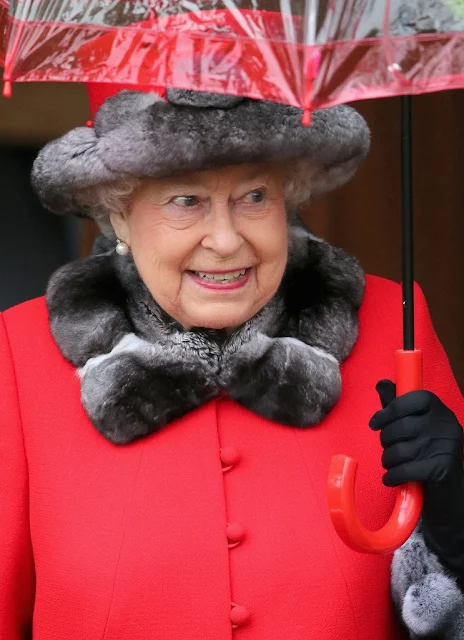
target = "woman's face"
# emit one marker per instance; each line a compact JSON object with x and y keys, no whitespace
{"x":210,"y":246}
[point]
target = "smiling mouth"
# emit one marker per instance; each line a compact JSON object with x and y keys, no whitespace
{"x":227,"y":277}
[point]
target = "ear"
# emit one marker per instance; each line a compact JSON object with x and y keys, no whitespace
{"x":121,"y":227}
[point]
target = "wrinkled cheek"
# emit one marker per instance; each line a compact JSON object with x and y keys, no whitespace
{"x":162,"y":281}
{"x":169,"y":284}
{"x":271,"y":271}
{"x":178,"y":289}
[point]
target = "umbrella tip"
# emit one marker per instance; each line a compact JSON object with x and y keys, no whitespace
{"x":306,"y":119}
{"x":7,"y":89}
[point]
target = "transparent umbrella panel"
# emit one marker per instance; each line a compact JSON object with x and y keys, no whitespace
{"x":3,"y":29}
{"x":381,"y":49}
{"x":243,"y":47}
{"x":307,"y":53}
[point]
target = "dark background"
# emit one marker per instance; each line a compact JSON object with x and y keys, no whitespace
{"x":363,"y":216}
{"x":34,"y":243}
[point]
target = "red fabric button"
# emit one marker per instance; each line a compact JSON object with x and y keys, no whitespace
{"x":229,"y":456}
{"x":235,"y":531}
{"x":239,"y":615}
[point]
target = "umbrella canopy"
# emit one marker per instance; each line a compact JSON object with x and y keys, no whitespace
{"x":306,"y":53}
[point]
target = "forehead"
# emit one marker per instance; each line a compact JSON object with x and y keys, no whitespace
{"x":225,"y":176}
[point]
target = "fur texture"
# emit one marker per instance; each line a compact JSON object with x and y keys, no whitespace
{"x":202,"y":99}
{"x":424,"y":16}
{"x":140,"y":370}
{"x":428,"y":598}
{"x":141,"y":135}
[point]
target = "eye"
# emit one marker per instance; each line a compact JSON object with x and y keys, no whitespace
{"x":257,"y":196}
{"x":185,"y":201}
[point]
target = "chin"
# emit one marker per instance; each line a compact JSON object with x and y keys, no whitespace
{"x":221,"y":320}
{"x":220,"y":324}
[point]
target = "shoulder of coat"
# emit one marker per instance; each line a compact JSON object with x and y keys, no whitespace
{"x":27,"y":325}
{"x":31,"y":311}
{"x":381,"y":290}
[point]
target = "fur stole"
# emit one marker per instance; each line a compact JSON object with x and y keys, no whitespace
{"x":139,"y":369}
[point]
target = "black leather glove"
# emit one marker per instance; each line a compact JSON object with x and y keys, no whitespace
{"x":423,"y":442}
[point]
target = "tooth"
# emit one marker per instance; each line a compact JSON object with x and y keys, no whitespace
{"x":221,"y":277}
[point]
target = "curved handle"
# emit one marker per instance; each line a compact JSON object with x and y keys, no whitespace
{"x":409,"y":500}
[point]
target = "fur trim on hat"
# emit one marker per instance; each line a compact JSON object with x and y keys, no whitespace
{"x":140,"y":134}
{"x":139,"y":369}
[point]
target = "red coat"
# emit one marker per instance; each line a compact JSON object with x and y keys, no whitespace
{"x":130,"y":543}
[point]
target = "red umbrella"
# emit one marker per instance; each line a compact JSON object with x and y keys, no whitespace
{"x":305,"y":53}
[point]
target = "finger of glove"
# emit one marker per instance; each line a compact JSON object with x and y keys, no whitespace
{"x":431,"y":470}
{"x":440,"y":454}
{"x":416,"y":471}
{"x":442,"y":466}
{"x":387,"y":392}
{"x":408,"y":404}
{"x":400,"y":453}
{"x":401,"y":430}
{"x":445,"y":454}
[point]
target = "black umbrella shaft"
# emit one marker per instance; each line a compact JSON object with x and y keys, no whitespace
{"x":407,"y":224}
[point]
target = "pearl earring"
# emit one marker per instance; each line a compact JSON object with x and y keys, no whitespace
{"x":122,"y":248}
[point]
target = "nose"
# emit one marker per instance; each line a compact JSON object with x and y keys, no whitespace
{"x":222,"y":236}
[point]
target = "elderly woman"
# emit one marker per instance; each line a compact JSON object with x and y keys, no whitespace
{"x":169,"y":411}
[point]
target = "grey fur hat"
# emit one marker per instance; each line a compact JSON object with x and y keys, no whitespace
{"x":144,"y":135}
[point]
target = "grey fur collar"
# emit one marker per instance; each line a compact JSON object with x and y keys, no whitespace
{"x":140,"y":370}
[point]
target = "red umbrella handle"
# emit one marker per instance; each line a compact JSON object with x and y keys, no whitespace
{"x":409,"y":500}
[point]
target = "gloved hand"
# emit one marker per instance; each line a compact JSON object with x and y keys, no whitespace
{"x":423,"y":442}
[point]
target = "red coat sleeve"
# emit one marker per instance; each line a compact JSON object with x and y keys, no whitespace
{"x":438,"y":376}
{"x":17,"y":581}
